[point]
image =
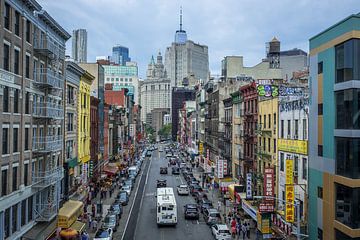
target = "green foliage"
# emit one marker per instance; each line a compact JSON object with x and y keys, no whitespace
{"x":165,"y":131}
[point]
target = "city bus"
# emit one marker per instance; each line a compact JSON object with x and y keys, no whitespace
{"x":166,"y":212}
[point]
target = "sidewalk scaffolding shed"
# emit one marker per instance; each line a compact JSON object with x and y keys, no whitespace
{"x":41,"y":231}
{"x":69,"y":214}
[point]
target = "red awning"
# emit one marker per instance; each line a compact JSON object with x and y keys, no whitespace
{"x":111,"y":170}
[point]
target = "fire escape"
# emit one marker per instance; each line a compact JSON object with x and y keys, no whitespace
{"x":48,"y":111}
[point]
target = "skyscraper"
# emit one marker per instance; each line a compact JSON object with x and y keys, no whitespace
{"x":120,"y":55}
{"x":79,"y":45}
{"x":184,"y":58}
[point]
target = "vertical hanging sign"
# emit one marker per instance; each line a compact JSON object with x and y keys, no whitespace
{"x":248,"y":186}
{"x":289,"y":192}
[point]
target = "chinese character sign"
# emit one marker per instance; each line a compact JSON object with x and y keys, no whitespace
{"x":248,"y":186}
{"x":289,"y":171}
{"x":290,"y":196}
{"x":269,"y":182}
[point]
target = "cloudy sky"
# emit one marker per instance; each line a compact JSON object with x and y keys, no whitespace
{"x":227,"y":27}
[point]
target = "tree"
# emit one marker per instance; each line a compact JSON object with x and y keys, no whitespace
{"x":165,"y":131}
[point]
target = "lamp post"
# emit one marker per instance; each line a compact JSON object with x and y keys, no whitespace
{"x":297,"y":206}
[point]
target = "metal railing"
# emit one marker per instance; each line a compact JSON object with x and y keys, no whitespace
{"x":48,"y":110}
{"x":45,"y":211}
{"x":46,"y":178}
{"x":48,"y":77}
{"x":47,"y":143}
{"x":47,"y":46}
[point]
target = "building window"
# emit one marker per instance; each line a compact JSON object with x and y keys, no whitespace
{"x":14,"y":218}
{"x":70,"y":94}
{"x":14,"y":178}
{"x":269,"y":144}
{"x":6,"y":99}
{"x":28,"y":31}
{"x":289,"y":128}
{"x":264,"y":121}
{"x":27,"y":67}
{"x":282,"y":129}
{"x":4,"y":182}
{"x":7,"y":16}
{"x":23,"y":212}
{"x":15,"y":140}
{"x":347,"y":57}
{"x":296,"y":164}
{"x":347,"y":205}
{"x":304,"y":168}
{"x":320,"y":150}
{"x":264,"y":143}
{"x":7,"y":223}
{"x":269,"y":118}
{"x":320,"y":234}
{"x":6,"y":57}
{"x":5,"y":141}
{"x":347,"y":109}
{"x":296,"y":129}
{"x":26,"y":139}
{"x":30,"y":208}
{"x":16,"y":61}
{"x":17,"y":23}
{"x":320,"y":109}
{"x":320,"y":67}
{"x":320,"y":192}
{"x":70,"y":121}
{"x":16,"y":100}
{"x":347,"y":155}
{"x":27,"y":103}
{"x":26,"y":174}
{"x":304,"y":129}
{"x":275,"y":120}
{"x":282,"y":162}
{"x":274,"y":145}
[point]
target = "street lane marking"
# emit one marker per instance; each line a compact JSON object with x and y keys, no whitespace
{"x":132,"y":206}
{"x":147,"y":176}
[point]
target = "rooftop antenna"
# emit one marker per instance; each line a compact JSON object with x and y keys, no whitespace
{"x":180,"y":18}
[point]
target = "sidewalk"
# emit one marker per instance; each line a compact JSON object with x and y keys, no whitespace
{"x":214,"y":196}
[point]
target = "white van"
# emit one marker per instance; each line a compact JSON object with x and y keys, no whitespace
{"x":133,"y":170}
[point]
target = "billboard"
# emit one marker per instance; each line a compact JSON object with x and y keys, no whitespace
{"x":294,"y":146}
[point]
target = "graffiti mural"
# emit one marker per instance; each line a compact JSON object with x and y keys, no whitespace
{"x":275,"y":91}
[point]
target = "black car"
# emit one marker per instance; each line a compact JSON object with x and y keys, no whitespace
{"x":198,"y":196}
{"x":175,"y":171}
{"x":116,"y":209}
{"x":191,"y":211}
{"x":123,"y":198}
{"x":163,"y":170}
{"x":161,"y":183}
{"x":195,"y":188}
{"x":204,"y":204}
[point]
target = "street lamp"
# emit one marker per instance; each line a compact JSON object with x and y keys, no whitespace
{"x":297,"y":206}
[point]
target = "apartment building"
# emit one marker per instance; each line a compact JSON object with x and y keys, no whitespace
{"x":32,"y":116}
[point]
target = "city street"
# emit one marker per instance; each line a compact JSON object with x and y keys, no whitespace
{"x":146,"y":227}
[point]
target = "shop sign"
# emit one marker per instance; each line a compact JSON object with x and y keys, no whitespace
{"x":225,"y":166}
{"x":91,"y":168}
{"x":289,"y":210}
{"x":289,"y":179}
{"x":201,"y":148}
{"x":265,"y":207}
{"x":269,"y":182}
{"x":220,"y":168}
{"x":248,"y":186}
{"x":294,"y":146}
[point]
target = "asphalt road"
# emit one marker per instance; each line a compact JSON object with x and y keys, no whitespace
{"x":146,"y":227}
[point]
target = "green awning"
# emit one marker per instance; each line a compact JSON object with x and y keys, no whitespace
{"x":73,"y":162}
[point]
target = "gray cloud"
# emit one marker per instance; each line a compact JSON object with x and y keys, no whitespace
{"x":228,"y":27}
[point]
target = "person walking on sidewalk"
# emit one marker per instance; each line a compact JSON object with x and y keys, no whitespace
{"x":243,"y":229}
{"x":248,"y":230}
{"x":219,"y":205}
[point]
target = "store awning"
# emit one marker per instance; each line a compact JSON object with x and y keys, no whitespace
{"x":111,"y":169}
{"x":249,"y":209}
{"x":41,"y":231}
{"x":78,"y":226}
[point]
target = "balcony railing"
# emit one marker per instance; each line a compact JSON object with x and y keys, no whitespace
{"x":48,"y":77}
{"x":47,"y":178}
{"x":47,"y":143}
{"x":46,"y":212}
{"x":48,"y":110}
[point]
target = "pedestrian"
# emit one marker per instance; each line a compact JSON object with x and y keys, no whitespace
{"x":94,"y":225}
{"x":89,"y":220}
{"x":219,"y":205}
{"x":248,"y":230}
{"x":238,"y":228}
{"x":243,"y":229}
{"x":84,"y":236}
{"x":233,"y":227}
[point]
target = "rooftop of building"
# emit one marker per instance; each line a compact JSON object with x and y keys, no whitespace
{"x":293,"y":52}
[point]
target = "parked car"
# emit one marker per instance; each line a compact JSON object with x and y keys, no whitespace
{"x":198,"y":196}
{"x":183,"y":189}
{"x":116,"y":209}
{"x":123,"y":198}
{"x":195,"y":188}
{"x":126,"y":189}
{"x":175,"y":171}
{"x":212,"y":216}
{"x":191,"y":211}
{"x":129,"y":183}
{"x":163,"y":170}
{"x":104,"y":234}
{"x":205,"y":204}
{"x":161,"y":183}
{"x":110,"y":221}
{"x":221,"y":232}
